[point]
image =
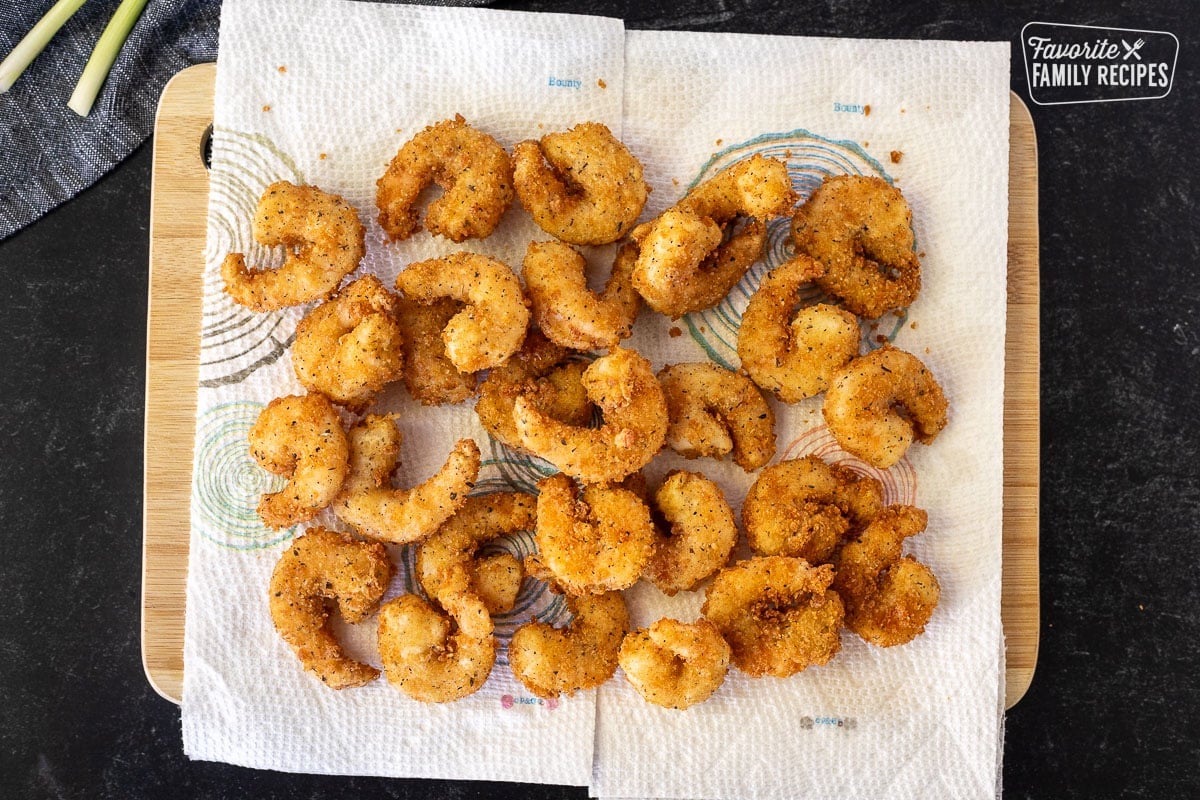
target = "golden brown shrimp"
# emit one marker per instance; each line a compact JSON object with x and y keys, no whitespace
{"x":318,"y":567}
{"x":300,"y":437}
{"x":429,"y":375}
{"x":888,"y":599}
{"x":794,"y":355}
{"x":471,"y":167}
{"x":456,"y":543}
{"x":598,"y":541}
{"x":807,"y":508}
{"x":323,"y":238}
{"x":552,"y":661}
{"x":374,"y":508}
{"x":428,"y":655}
{"x":349,"y":347}
{"x":860,"y":228}
{"x":581,"y":186}
{"x":879,"y":403}
{"x":491,"y":326}
{"x":542,"y":371}
{"x":701,"y":532}
{"x":714,"y":411}
{"x":623,"y":385}
{"x":675,"y":664}
{"x":567,"y":311}
{"x":693,"y":254}
{"x":777,"y":613}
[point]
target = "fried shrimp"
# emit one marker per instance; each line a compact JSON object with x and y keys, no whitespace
{"x":472,"y":169}
{"x":494,"y":580}
{"x":623,"y":385}
{"x":551,"y":661}
{"x":806,"y":508}
{"x":428,"y":655}
{"x":675,"y":664}
{"x":860,"y":228}
{"x":693,"y":253}
{"x":581,"y":186}
{"x":566,"y":310}
{"x":714,"y":411}
{"x":428,"y":374}
{"x":349,"y":347}
{"x":594,"y":541}
{"x":700,"y":535}
{"x":321,"y":567}
{"x":777,"y":613}
{"x":301,"y":438}
{"x":323,"y":239}
{"x":374,"y":508}
{"x":794,"y":354}
{"x":540,"y":370}
{"x":491,"y":326}
{"x":879,"y":403}
{"x":888,"y":599}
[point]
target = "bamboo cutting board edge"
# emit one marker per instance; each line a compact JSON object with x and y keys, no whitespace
{"x":178,"y":214}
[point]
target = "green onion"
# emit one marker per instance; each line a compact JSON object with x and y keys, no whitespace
{"x":35,"y":42}
{"x":107,"y":49}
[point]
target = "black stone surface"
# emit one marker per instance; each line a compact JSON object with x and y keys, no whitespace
{"x":1114,"y":710}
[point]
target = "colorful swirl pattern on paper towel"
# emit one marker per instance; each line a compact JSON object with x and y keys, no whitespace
{"x":228,"y":482}
{"x":235,"y":341}
{"x":810,"y":159}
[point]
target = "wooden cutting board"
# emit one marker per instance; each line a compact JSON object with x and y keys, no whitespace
{"x":178,"y":216}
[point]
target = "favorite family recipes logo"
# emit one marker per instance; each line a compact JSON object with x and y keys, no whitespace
{"x":1085,"y":64}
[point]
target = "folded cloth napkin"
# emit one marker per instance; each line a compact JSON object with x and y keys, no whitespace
{"x":324,"y":95}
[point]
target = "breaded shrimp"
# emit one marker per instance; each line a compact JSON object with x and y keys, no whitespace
{"x":794,"y":354}
{"x":428,"y":655}
{"x":693,"y":254}
{"x":349,"y":347}
{"x":300,"y":437}
{"x":879,"y":403}
{"x":429,"y":375}
{"x":675,"y":664}
{"x":374,"y":508}
{"x":888,"y":599}
{"x":806,"y":508}
{"x":777,"y":613}
{"x":473,"y":170}
{"x":552,"y":661}
{"x":582,"y":186}
{"x":566,"y":310}
{"x":543,"y":372}
{"x":491,"y":326}
{"x":701,"y":532}
{"x":714,"y":411}
{"x":323,"y":238}
{"x":600,"y":541}
{"x":456,"y":543}
{"x":623,"y":385}
{"x":318,"y":567}
{"x":860,"y":228}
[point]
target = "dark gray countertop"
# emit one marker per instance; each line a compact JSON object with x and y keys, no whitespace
{"x":1114,"y":709}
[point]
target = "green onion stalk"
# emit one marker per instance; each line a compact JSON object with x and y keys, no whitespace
{"x":35,"y":41}
{"x":107,"y":48}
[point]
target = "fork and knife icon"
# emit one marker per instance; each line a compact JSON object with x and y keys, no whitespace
{"x":1132,"y":49}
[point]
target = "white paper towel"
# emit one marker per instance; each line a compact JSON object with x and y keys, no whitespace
{"x":324,"y":93}
{"x":922,"y":720}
